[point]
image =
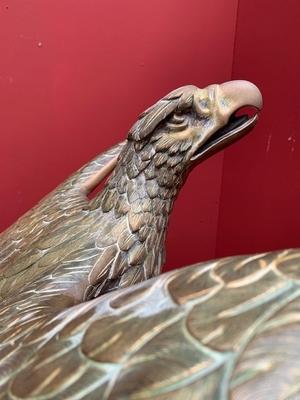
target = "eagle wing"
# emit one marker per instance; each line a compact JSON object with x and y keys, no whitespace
{"x":220,"y":329}
{"x":58,"y":212}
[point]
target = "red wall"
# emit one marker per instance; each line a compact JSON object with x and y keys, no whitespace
{"x":75,"y":74}
{"x":261,"y":177}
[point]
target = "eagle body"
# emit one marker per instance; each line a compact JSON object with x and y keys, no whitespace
{"x":85,"y":313}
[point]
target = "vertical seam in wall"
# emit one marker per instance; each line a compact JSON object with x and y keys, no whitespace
{"x":235,"y":37}
{"x":224,"y":153}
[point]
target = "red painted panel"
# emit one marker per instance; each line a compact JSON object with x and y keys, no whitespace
{"x":261,"y":182}
{"x":75,"y":74}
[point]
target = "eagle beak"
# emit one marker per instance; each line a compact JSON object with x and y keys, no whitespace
{"x":227,"y":128}
{"x":240,"y":94}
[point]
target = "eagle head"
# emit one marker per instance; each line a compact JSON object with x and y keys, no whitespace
{"x":190,"y":124}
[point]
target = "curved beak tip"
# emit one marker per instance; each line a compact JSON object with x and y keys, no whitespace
{"x":244,"y":93}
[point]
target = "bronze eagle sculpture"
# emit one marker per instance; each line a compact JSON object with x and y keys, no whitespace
{"x":76,"y":319}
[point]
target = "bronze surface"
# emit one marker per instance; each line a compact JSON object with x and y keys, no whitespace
{"x":178,"y":336}
{"x":221,"y":329}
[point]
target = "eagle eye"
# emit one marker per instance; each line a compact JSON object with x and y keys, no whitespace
{"x":177,"y":118}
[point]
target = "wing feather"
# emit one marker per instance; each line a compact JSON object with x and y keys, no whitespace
{"x":55,"y":221}
{"x":176,"y":336}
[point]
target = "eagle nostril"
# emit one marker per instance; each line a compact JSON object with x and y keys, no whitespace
{"x":204,"y":103}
